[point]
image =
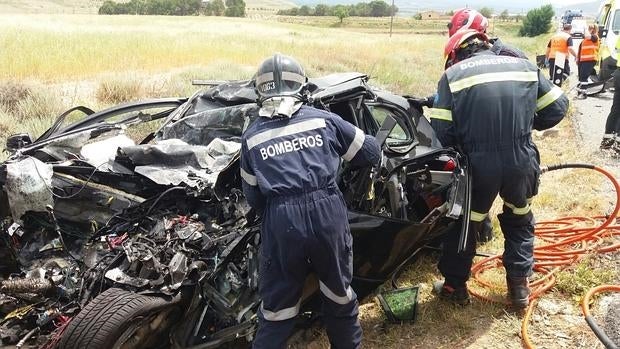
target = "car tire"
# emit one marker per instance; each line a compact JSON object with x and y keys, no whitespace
{"x":104,"y":321}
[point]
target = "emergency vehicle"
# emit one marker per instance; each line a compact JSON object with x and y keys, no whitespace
{"x":608,"y":20}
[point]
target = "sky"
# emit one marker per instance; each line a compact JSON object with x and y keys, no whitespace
{"x":410,"y":7}
{"x":521,"y":6}
{"x":564,"y":3}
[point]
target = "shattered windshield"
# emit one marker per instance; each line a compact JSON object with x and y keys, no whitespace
{"x":227,"y":123}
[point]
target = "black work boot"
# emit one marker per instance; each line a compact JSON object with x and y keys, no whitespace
{"x":608,"y":142}
{"x":518,"y":292}
{"x":581,"y":94}
{"x":457,"y":295}
{"x":615,"y":148}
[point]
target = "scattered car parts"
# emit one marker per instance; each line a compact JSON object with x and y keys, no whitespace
{"x":128,"y":228}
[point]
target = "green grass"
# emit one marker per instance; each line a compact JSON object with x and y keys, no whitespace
{"x":588,"y":273}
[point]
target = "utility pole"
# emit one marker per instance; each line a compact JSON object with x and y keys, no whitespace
{"x":392,"y":17}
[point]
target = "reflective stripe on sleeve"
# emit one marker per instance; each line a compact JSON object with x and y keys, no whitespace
{"x":477,"y":216}
{"x":248,"y":178}
{"x":520,"y":211}
{"x":348,"y":297}
{"x":280,"y":315}
{"x":356,"y":145}
{"x":307,"y":125}
{"x":549,"y":98}
{"x":441,"y":114}
{"x":492,"y":77}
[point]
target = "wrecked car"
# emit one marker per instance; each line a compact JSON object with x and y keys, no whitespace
{"x":127,"y":227}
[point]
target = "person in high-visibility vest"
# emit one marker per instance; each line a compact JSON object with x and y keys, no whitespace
{"x":560,"y":42}
{"x":587,"y":56}
{"x":611,"y":138}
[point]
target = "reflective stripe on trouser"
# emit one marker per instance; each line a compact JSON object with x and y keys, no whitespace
{"x":515,"y":183}
{"x":303,"y":234}
{"x":553,"y":76}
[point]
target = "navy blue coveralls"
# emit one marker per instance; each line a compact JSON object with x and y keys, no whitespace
{"x":487,"y":106}
{"x":289,"y":166}
{"x":501,"y":49}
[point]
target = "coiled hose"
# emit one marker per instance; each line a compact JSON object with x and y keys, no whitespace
{"x":569,"y":240}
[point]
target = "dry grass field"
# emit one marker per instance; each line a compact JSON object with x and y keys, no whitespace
{"x":92,"y":6}
{"x":51,"y":62}
{"x":50,"y":6}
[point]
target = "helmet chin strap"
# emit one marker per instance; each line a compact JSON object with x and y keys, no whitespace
{"x":467,"y":52}
{"x":280,"y":106}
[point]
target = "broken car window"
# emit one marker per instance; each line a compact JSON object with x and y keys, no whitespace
{"x":398,"y":136}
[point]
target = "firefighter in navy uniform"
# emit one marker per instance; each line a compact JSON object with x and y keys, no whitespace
{"x":289,"y":160}
{"x":487,"y":106}
{"x":464,"y":19}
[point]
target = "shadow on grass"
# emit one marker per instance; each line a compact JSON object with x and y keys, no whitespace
{"x":438,"y":324}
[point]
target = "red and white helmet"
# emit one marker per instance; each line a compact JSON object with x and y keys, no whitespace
{"x":459,"y":41}
{"x":466,"y":18}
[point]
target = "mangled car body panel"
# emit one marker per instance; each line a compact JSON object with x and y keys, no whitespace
{"x":88,"y":209}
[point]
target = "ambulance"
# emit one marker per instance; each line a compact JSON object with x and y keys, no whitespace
{"x":608,"y":20}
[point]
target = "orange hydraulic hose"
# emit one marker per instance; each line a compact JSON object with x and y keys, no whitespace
{"x":568,"y":240}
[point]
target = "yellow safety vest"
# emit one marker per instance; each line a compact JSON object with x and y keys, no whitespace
{"x":617,"y":52}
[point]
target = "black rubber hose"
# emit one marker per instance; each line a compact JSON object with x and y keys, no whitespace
{"x":563,"y":166}
{"x":160,"y":197}
{"x":600,"y":334}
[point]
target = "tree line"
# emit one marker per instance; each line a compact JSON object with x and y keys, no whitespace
{"x":375,"y":8}
{"x":230,"y":8}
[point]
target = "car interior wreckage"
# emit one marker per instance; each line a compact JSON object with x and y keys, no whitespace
{"x":131,"y":220}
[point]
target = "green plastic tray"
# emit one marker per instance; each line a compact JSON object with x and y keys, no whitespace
{"x":400,"y":305}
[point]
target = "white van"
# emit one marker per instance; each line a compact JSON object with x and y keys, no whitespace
{"x":579,"y":27}
{"x":608,"y":20}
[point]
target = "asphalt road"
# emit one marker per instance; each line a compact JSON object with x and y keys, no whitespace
{"x":590,"y":113}
{"x":589,"y":122}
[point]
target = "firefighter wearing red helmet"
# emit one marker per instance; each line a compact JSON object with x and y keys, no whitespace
{"x":487,"y":106}
{"x":470,"y":19}
{"x":466,"y":18}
